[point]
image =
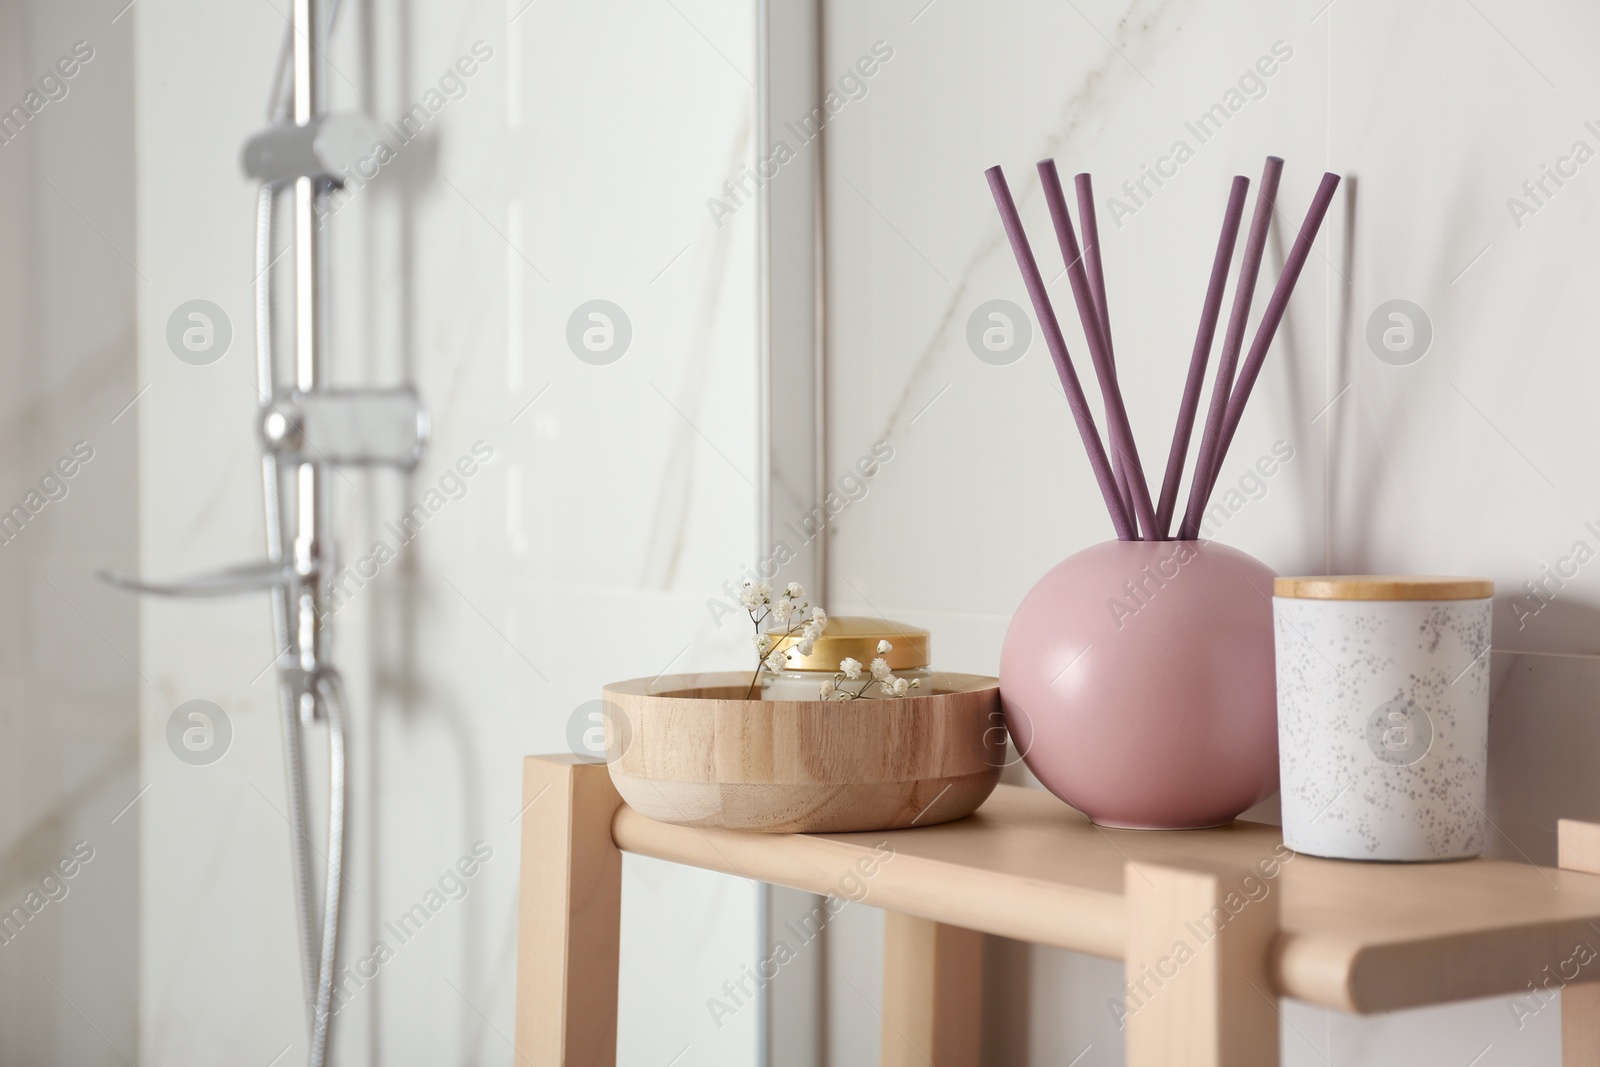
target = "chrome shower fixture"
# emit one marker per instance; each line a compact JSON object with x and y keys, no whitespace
{"x":327,"y":146}
{"x":307,"y":429}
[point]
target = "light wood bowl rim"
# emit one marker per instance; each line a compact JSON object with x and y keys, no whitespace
{"x":684,"y":686}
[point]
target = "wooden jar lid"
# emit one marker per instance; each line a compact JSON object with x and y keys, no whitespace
{"x":1382,"y":587}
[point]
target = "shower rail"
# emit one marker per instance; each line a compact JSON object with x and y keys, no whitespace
{"x":307,"y":429}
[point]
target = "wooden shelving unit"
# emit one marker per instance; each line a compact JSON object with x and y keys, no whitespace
{"x":1213,"y":926}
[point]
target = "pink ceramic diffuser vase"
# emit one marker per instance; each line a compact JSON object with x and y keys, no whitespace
{"x":1137,"y":680}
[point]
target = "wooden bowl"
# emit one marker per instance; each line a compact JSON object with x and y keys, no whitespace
{"x":690,"y":749}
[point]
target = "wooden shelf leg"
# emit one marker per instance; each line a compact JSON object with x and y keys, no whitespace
{"x":569,"y":917}
{"x":1578,"y":849}
{"x":932,"y":993}
{"x":1198,"y":990}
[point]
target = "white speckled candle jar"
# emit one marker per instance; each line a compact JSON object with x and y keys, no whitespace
{"x":1383,"y":715}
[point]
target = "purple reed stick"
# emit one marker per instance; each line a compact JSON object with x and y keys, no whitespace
{"x":1097,"y":288}
{"x":1209,"y":313}
{"x":1207,"y":461}
{"x":1051,"y":328}
{"x":1272,"y":316}
{"x":1118,"y":430}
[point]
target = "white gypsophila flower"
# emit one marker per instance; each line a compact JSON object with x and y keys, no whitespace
{"x":850,"y":668}
{"x":764,"y":589}
{"x":794,"y":591}
{"x":782,"y":612}
{"x":763,"y":643}
{"x":775,"y":662}
{"x":880,"y":669}
{"x":805,"y":646}
{"x":884,"y":646}
{"x":827,"y":689}
{"x":812,"y":629}
{"x":819,"y":616}
{"x":749,"y":598}
{"x":900,"y":687}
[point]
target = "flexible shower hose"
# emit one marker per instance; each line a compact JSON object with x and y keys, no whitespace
{"x":319,"y":948}
{"x":331,"y":692}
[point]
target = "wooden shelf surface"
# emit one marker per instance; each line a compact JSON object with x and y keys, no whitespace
{"x":1362,"y":937}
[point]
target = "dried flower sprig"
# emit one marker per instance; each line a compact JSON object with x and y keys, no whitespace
{"x":788,"y":612}
{"x":878,"y":673}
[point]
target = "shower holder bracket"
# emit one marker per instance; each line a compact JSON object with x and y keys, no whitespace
{"x":347,"y":427}
{"x":328,"y":147}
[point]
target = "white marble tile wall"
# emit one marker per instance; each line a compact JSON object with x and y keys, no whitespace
{"x":68,"y":689}
{"x":1473,"y":458}
{"x":573,"y":165}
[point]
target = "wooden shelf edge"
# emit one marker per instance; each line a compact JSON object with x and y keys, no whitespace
{"x":1080,"y":920}
{"x":1324,"y":971}
{"x":1330,"y":969}
{"x":1428,"y":971}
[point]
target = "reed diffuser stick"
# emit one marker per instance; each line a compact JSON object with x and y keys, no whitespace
{"x":1056,"y":343}
{"x":1128,"y":500}
{"x":1118,"y":430}
{"x":1272,"y":316}
{"x":1097,"y":288}
{"x":1207,"y":461}
{"x":1209,"y":313}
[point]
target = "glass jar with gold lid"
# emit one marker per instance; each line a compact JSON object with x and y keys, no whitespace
{"x":854,"y":637}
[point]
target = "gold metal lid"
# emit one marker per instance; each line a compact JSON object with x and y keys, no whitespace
{"x":857,"y":637}
{"x":1382,"y":587}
